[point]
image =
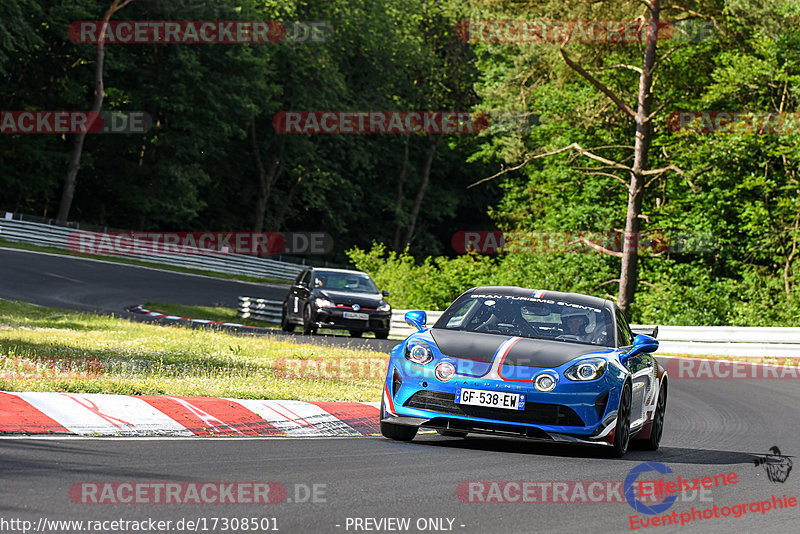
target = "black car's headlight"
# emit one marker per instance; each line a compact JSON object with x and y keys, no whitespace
{"x":419,"y":353}
{"x":588,"y":369}
{"x":384,"y":306}
{"x":323,"y":303}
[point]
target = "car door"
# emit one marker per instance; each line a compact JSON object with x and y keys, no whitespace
{"x":640,"y":367}
{"x":299,"y":294}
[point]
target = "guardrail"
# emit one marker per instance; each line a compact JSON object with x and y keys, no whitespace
{"x":259,"y":309}
{"x":711,"y":340}
{"x":56,"y":236}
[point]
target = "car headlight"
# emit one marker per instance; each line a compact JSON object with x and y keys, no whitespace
{"x":384,"y":307}
{"x":323,"y":303}
{"x":588,"y":369}
{"x":419,"y":353}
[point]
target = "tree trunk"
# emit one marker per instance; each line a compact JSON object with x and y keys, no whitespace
{"x":630,"y":252}
{"x":266,"y":179}
{"x":77,"y":145}
{"x":398,"y":202}
{"x":289,"y":197}
{"x":433,"y":142}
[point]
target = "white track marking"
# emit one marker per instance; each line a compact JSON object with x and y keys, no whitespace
{"x":93,"y":413}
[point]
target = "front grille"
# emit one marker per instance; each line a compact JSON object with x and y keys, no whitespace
{"x":535,"y":413}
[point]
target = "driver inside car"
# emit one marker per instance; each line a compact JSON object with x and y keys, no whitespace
{"x":501,"y":315}
{"x":574,"y":323}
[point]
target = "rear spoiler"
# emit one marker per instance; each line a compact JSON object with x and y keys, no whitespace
{"x":651,"y":331}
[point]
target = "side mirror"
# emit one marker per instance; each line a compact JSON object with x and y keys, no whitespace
{"x":302,"y":284}
{"x":385,"y":293}
{"x":642,"y":343}
{"x":417,"y":319}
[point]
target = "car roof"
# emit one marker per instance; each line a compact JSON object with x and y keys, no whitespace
{"x":514,"y":291}
{"x":343,"y":271}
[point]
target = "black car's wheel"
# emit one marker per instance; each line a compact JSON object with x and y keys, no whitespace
{"x":382,"y":334}
{"x":286,"y":326}
{"x":356,"y":333}
{"x":308,"y":324}
{"x":397,"y":432}
{"x":652,"y":443}
{"x":622,"y":432}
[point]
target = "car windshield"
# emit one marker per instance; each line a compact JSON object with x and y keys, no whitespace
{"x":352,"y":282}
{"x":531,"y":317}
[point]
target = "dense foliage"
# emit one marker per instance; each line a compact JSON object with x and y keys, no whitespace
{"x":214,"y":161}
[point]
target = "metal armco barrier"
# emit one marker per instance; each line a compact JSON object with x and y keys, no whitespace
{"x":56,"y":236}
{"x":770,"y":342}
{"x":259,"y":309}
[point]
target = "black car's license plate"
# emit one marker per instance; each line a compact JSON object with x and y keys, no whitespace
{"x":492,"y":399}
{"x":357,"y":316}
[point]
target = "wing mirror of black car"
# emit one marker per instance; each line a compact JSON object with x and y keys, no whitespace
{"x":641,"y":343}
{"x":417,"y":319}
{"x":302,"y":284}
{"x":385,"y":293}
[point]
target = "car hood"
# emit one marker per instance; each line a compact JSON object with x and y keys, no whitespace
{"x":344,"y":298}
{"x":526,"y":352}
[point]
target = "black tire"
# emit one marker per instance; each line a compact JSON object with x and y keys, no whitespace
{"x":622,"y":432}
{"x":652,"y":443}
{"x":356,"y":333}
{"x":309,"y":327}
{"x":382,"y":335}
{"x":397,"y":432}
{"x":286,"y":326}
{"x":452,"y":433}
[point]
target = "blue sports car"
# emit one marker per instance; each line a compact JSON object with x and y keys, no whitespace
{"x":543,"y":365}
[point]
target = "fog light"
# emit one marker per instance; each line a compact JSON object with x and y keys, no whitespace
{"x":545,"y":382}
{"x":445,"y":371}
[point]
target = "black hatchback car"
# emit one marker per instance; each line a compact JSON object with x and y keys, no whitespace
{"x":336,"y":298}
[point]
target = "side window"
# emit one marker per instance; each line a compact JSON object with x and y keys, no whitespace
{"x":623,"y":330}
{"x":299,"y":277}
{"x":306,"y":278}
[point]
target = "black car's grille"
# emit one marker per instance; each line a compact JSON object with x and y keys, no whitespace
{"x":536,"y":413}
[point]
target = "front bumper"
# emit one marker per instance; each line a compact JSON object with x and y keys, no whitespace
{"x":576,"y":412}
{"x":494,"y":428}
{"x":334,"y":318}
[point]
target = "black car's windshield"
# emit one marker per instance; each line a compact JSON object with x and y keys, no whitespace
{"x":530,"y":317}
{"x":351,"y":282}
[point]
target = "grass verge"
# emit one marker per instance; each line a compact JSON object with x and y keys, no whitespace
{"x":127,"y":261}
{"x":45,"y":349}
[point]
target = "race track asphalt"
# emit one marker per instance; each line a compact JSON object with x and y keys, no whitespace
{"x":713,"y":427}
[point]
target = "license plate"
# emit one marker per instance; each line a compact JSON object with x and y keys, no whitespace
{"x":354,"y":315}
{"x":492,"y":399}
